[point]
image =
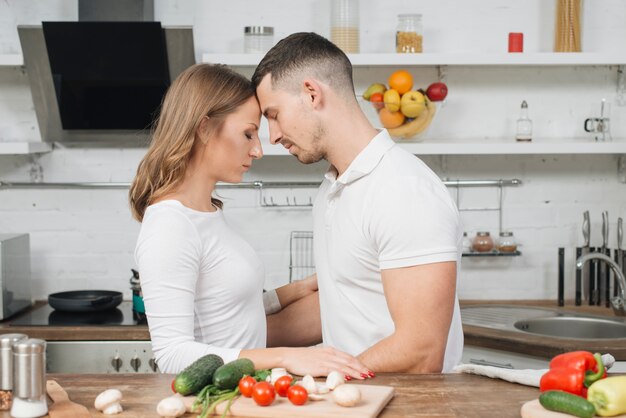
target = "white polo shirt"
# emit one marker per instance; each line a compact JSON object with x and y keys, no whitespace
{"x":388,"y":210}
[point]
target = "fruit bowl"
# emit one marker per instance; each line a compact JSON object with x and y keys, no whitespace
{"x":400,"y":127}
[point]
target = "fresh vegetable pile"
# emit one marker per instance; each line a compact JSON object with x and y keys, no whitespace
{"x":214,"y":382}
{"x":577,"y":384}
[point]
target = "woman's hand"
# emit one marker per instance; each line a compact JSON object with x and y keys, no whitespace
{"x":320,"y":361}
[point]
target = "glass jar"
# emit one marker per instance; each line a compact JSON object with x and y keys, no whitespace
{"x":506,"y":242}
{"x":344,"y":25}
{"x":409,"y":33}
{"x":258,"y":39}
{"x":482,"y":242}
{"x":467,"y":243}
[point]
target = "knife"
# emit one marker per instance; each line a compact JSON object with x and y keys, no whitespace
{"x":586,"y":273}
{"x":605,"y":279}
{"x":620,"y":252}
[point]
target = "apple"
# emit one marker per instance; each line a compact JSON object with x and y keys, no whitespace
{"x":437,"y":91}
{"x":392,"y":100}
{"x":377,"y":100}
{"x":412,"y":104}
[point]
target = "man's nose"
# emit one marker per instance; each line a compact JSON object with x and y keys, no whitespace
{"x":275,"y":133}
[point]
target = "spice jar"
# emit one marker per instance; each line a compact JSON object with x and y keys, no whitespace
{"x":482,"y":242}
{"x":6,"y":369}
{"x":29,"y":379}
{"x":409,"y":33}
{"x":257,"y":39}
{"x":344,"y":25}
{"x":506,"y":242}
{"x":467,"y":243}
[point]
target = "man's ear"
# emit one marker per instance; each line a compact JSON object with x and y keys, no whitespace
{"x":313,"y":91}
{"x":203,"y":131}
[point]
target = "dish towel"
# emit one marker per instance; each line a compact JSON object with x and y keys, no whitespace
{"x":528,"y":377}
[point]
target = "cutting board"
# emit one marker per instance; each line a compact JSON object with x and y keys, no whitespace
{"x":533,"y":409}
{"x":62,"y":406}
{"x":373,"y":400}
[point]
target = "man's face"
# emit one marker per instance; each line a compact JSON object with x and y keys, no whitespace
{"x":292,"y":121}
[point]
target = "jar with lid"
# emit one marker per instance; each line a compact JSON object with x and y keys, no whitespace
{"x":506,"y":242}
{"x":409,"y":33}
{"x":6,"y":369}
{"x":29,"y":379}
{"x":467,"y":243}
{"x":482,"y":242}
{"x":344,"y":25}
{"x":257,"y":39}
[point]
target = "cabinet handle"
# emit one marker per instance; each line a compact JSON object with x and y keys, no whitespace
{"x":482,"y":362}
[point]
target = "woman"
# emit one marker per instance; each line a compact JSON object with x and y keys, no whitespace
{"x":201,"y":282}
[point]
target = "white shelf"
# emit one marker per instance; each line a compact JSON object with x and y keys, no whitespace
{"x":494,"y":147}
{"x":14,"y":60}
{"x":14,"y":148}
{"x":469,"y":59}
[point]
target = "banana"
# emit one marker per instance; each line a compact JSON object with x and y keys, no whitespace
{"x":417,"y":125}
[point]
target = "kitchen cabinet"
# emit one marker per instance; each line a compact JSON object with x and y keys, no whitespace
{"x":499,"y":358}
{"x":467,"y":146}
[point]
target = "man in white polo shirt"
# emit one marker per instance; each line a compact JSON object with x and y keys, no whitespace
{"x":387,"y":233}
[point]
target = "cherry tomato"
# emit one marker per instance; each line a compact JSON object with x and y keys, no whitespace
{"x":263,"y":393}
{"x":172,"y":386}
{"x":245,"y":385}
{"x":297,"y":395}
{"x":436,"y":92}
{"x":282,"y":385}
{"x":377,"y":100}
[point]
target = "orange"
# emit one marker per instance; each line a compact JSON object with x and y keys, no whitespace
{"x":390,"y":119}
{"x":401,"y":81}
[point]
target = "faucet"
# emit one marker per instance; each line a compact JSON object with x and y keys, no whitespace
{"x":617,"y":301}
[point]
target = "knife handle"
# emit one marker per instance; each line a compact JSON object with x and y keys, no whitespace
{"x":579,"y":279}
{"x":592,"y":279}
{"x":561,"y":298}
{"x":607,"y":281}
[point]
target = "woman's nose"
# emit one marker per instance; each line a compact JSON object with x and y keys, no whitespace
{"x":256,"y":152}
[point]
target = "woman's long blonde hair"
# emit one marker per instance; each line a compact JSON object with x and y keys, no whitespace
{"x":201,"y":90}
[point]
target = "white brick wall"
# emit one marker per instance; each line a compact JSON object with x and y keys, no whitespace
{"x":85,"y":238}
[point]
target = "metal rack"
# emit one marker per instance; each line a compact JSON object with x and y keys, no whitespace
{"x":301,"y":260}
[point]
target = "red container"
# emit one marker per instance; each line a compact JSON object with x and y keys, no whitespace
{"x":516,"y":42}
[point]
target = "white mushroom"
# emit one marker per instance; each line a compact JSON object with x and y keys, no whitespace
{"x":277,"y":373}
{"x":347,"y":395}
{"x":189,"y":401}
{"x":171,"y":407}
{"x":334,"y":379}
{"x":109,"y":402}
{"x":321,"y":388}
{"x":309,"y":384}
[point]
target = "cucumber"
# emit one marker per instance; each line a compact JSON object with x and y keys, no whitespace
{"x":560,"y":401}
{"x":197,"y":375}
{"x":229,"y":375}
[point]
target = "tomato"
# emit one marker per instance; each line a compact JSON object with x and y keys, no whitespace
{"x":297,"y":395}
{"x":263,"y":394}
{"x":245,"y":385}
{"x":282,"y":385}
{"x":172,"y":385}
{"x":377,"y":100}
{"x":437,"y":91}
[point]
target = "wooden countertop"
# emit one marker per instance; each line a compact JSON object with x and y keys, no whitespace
{"x":541,"y":345}
{"x":452,"y":395}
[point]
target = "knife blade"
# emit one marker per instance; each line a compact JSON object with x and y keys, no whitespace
{"x":620,"y":252}
{"x":605,"y":279}
{"x":586,"y":272}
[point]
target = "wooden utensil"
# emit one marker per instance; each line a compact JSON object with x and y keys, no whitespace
{"x":533,"y":409}
{"x":373,"y":400}
{"x":62,"y":406}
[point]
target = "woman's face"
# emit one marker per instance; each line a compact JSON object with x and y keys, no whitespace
{"x":231,"y":150}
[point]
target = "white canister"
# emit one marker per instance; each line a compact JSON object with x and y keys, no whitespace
{"x":257,"y":39}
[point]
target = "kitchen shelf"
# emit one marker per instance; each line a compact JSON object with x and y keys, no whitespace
{"x":450,"y":58}
{"x":15,"y":148}
{"x":11,"y":60}
{"x":492,"y":254}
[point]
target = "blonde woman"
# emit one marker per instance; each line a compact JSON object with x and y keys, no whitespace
{"x":202,"y":283}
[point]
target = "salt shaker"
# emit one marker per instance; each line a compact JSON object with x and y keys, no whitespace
{"x":29,"y":379}
{"x":6,"y":369}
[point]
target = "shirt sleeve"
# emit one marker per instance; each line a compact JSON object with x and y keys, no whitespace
{"x":168,"y":255}
{"x":414,"y":223}
{"x":271,"y":303}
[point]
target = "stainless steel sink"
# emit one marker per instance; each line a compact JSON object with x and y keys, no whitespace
{"x":553,"y":322}
{"x":573,"y":327}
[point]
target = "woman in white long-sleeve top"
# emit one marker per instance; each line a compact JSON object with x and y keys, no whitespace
{"x":201,"y":282}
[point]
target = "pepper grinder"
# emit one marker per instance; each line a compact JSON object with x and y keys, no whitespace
{"x":6,"y":368}
{"x":29,"y":379}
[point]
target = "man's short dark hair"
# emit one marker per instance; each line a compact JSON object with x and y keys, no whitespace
{"x":310,"y":53}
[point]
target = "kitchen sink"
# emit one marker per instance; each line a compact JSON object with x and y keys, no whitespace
{"x":573,"y":327}
{"x":553,"y":322}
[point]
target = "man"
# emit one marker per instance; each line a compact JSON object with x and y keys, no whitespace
{"x":387,"y":233}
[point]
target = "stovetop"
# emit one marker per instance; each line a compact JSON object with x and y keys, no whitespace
{"x":122,"y":315}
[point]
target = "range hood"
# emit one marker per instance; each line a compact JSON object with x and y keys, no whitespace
{"x":101,"y":83}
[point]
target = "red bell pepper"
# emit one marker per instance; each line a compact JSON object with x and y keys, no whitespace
{"x":573,"y":372}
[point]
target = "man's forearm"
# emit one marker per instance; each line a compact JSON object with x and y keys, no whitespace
{"x":403,"y":355}
{"x":298,"y":325}
{"x":296,"y":290}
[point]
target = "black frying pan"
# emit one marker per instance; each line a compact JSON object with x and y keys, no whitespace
{"x":85,"y":300}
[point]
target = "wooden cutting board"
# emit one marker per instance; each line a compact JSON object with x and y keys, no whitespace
{"x":373,"y":400}
{"x":62,"y":406}
{"x":533,"y":409}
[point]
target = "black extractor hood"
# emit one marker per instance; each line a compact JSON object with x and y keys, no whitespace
{"x":102,"y":83}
